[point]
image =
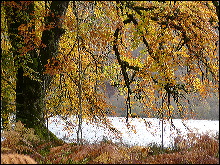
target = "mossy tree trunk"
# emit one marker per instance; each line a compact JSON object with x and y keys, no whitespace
{"x":30,"y":92}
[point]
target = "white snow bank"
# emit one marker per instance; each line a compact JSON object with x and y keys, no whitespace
{"x":148,"y":131}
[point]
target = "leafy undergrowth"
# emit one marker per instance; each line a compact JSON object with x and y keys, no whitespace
{"x":197,"y":149}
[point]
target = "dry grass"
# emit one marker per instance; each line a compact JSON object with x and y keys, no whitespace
{"x":102,"y":153}
{"x":16,"y":159}
{"x":18,"y":139}
{"x":197,"y":149}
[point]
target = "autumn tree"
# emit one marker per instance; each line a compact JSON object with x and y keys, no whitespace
{"x":177,"y":57}
{"x":30,"y":54}
{"x":158,"y":53}
{"x":151,"y":53}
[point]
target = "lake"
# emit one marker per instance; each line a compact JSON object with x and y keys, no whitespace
{"x":147,"y":130}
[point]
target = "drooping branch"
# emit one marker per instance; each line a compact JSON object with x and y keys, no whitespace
{"x":124,"y":65}
{"x":123,"y":69}
{"x":171,"y":90}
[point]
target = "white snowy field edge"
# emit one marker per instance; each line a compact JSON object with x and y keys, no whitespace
{"x":147,"y":130}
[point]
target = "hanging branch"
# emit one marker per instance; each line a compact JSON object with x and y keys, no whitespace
{"x":123,"y":65}
{"x":79,"y":131}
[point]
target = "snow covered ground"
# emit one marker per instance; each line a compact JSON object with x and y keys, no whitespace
{"x":148,"y":131}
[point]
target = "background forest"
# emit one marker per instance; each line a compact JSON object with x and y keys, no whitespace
{"x":206,"y":109}
{"x":94,"y":59}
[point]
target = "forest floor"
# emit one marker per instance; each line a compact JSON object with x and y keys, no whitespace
{"x":201,"y":149}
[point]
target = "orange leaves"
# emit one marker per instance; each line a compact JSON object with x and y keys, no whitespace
{"x":22,"y":5}
{"x":23,"y":27}
{"x":53,"y":67}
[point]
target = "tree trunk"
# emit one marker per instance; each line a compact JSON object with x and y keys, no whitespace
{"x":29,"y":92}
